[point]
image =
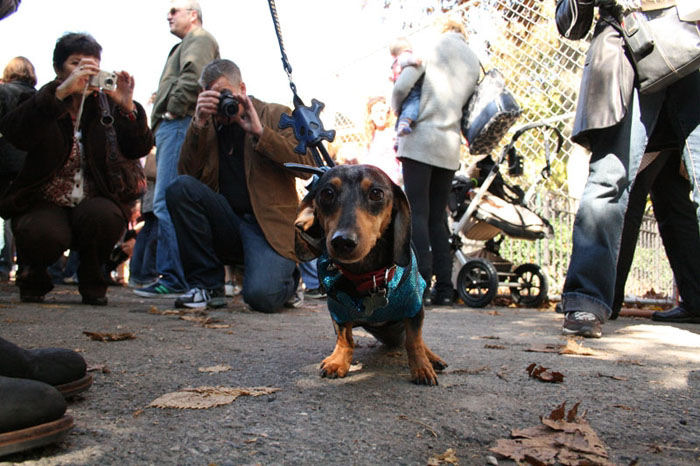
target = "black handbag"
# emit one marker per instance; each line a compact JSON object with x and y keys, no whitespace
{"x":126,"y":177}
{"x":662,"y":47}
{"x":489,"y":113}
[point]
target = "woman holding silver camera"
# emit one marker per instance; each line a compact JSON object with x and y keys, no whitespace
{"x":63,"y":197}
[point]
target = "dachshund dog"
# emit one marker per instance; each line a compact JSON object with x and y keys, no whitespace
{"x":358,"y":223}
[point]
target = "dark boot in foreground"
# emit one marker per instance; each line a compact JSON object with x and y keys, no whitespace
{"x":62,"y":368}
{"x":32,"y":414}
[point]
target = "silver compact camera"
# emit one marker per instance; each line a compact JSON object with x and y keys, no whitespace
{"x":104,"y":80}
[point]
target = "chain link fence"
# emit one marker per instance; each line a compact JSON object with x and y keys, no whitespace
{"x":543,"y":70}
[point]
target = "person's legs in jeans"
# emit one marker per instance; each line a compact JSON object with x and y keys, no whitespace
{"x":615,"y":159}
{"x":207,"y":232}
{"x":41,"y":235}
{"x":142,"y":265}
{"x":169,"y":138}
{"x":97,"y":224}
{"x":269,"y":279}
{"x":309,"y":274}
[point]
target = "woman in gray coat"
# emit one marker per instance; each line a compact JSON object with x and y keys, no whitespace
{"x":430,"y":153}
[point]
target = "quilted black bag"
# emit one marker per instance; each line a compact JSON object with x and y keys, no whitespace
{"x":126,"y":177}
{"x":489,"y":113}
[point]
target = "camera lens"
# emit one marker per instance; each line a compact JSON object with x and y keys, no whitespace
{"x":228,"y":105}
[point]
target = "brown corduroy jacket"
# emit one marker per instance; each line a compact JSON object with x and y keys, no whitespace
{"x":271,"y":186}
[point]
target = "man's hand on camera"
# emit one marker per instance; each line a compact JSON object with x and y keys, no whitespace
{"x":247,"y":117}
{"x":207,"y":105}
{"x":124,"y":94}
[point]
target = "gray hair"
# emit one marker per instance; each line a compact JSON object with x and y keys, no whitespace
{"x":192,"y":5}
{"x":218,"y":68}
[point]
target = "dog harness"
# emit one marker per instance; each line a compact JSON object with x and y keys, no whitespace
{"x":396,"y":297}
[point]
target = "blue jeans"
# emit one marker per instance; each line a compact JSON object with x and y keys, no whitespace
{"x":170,"y":135}
{"x":615,"y":158}
{"x":142,"y":266}
{"x":411,"y":104}
{"x":309,"y":274}
{"x":210,"y":235}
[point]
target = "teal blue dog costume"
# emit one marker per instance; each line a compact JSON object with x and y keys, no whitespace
{"x":394,"y":294}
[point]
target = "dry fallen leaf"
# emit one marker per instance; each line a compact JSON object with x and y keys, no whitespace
{"x":614,"y":377}
{"x":574,"y":347}
{"x":99,"y":367}
{"x":468,"y":371}
{"x":206,"y":397}
{"x":494,"y":346}
{"x":448,"y":457}
{"x":562,"y":438}
{"x":215,"y":369}
{"x":100,"y":336}
{"x":544,"y":374}
{"x":216,"y":326}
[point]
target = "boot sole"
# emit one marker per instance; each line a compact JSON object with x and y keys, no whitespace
{"x":36,"y":436}
{"x":71,"y":389}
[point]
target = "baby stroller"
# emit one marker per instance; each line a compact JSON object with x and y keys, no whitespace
{"x":483,"y":206}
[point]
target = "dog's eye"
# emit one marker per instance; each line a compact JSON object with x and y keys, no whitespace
{"x":326,"y":196}
{"x":376,"y":194}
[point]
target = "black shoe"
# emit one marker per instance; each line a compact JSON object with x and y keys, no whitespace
{"x":442,"y":297}
{"x":95,"y":301}
{"x":678,"y":315}
{"x":62,"y":368}
{"x":31,"y":298}
{"x":32,"y":414}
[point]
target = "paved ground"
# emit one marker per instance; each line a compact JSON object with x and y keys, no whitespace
{"x":640,"y":388}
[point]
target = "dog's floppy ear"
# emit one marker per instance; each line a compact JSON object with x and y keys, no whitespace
{"x":309,"y":236}
{"x":402,"y":227}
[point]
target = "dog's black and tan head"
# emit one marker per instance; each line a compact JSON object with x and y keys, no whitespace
{"x":359,"y":213}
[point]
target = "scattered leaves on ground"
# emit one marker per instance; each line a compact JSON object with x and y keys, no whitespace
{"x":630,"y":362}
{"x":542,"y":373}
{"x":448,"y":457}
{"x":215,"y":369}
{"x":206,"y":397}
{"x":102,"y":336}
{"x":561,"y":438}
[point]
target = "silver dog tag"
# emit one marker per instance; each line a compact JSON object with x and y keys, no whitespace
{"x":374,"y":301}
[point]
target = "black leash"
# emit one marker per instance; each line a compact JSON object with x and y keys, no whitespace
{"x":306,"y":121}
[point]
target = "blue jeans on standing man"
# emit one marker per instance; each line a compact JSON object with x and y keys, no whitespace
{"x":170,"y":135}
{"x":615,"y":159}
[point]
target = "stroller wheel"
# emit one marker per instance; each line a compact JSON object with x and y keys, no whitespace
{"x":532,"y":287}
{"x":477,"y":282}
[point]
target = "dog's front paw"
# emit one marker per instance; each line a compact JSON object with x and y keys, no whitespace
{"x":424,"y":375}
{"x":334,"y":366}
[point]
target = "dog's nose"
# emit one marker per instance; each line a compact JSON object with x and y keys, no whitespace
{"x":344,"y":242}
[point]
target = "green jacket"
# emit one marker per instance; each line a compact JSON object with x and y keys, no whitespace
{"x":179,"y":87}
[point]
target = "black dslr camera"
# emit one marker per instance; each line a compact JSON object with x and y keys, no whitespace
{"x":228,"y":105}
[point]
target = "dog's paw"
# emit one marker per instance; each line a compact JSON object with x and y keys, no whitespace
{"x":438,"y":364}
{"x":333,"y":368}
{"x":424,"y":375}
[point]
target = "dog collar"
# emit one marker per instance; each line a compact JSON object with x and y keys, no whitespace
{"x":370,"y":281}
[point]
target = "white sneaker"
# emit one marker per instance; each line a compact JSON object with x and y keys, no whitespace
{"x":198,"y":298}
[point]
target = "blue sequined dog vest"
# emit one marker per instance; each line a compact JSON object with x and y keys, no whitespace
{"x":404,"y":293}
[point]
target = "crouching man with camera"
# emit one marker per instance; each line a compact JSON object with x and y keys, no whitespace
{"x":234,"y":202}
